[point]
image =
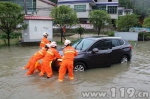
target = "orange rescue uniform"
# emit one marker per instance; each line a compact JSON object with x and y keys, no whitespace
{"x":67,"y":63}
{"x":39,"y":55}
{"x":51,"y":54}
{"x":43,"y":42}
{"x":29,"y":62}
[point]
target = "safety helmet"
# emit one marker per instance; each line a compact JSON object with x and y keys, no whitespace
{"x":67,"y":42}
{"x":53,"y":44}
{"x":47,"y":45}
{"x":45,"y":34}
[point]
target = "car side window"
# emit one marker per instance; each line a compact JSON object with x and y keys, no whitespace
{"x":121,"y":42}
{"x":102,"y":45}
{"x":115,"y":43}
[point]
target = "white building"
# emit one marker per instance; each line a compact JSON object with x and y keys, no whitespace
{"x":83,"y":7}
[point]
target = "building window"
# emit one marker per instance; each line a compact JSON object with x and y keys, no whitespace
{"x":112,"y":10}
{"x":34,"y":5}
{"x":109,"y":0}
{"x":102,"y":8}
{"x":120,"y":12}
{"x":80,"y":8}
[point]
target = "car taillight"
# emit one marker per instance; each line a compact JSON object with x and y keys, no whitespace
{"x":130,"y":47}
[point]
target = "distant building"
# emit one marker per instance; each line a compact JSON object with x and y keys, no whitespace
{"x":44,"y":7}
{"x":122,"y":11}
{"x":83,"y":7}
{"x":35,"y":7}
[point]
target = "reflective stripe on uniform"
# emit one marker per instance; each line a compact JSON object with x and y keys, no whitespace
{"x":40,"y":53}
{"x":50,"y":52}
{"x":43,"y":42}
{"x":69,"y":52}
{"x":50,"y":63}
{"x":36,"y":64}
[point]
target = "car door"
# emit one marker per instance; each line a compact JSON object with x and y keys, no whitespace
{"x":103,"y":55}
{"x":116,"y":50}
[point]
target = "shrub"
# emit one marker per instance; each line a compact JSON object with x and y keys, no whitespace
{"x":146,"y":36}
{"x":12,"y":35}
{"x":110,"y":33}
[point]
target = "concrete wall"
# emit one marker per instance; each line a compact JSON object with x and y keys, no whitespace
{"x":131,"y":36}
{"x":34,"y":32}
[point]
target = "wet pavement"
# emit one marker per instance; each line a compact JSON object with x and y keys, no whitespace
{"x":120,"y":81}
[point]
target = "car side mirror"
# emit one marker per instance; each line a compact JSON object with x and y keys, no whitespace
{"x":95,"y":50}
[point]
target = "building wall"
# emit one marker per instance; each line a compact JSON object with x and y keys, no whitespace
{"x":35,"y":30}
{"x":43,"y":9}
{"x":81,"y":14}
{"x":110,"y":7}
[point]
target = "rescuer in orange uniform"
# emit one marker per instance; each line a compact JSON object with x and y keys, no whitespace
{"x":51,"y":54}
{"x":37,"y":56}
{"x":29,"y":62}
{"x":37,"y":65}
{"x":44,"y":40}
{"x":67,"y":61}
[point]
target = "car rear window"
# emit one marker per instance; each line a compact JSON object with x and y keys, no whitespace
{"x":121,"y":41}
{"x":115,"y":42}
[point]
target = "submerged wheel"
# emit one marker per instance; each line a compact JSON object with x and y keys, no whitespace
{"x":79,"y":66}
{"x":124,"y":59}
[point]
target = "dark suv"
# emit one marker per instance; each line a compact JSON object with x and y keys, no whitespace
{"x":100,"y":51}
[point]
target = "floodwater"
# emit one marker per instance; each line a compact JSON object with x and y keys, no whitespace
{"x":126,"y":81}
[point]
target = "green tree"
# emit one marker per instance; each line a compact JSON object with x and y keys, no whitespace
{"x":126,"y":3}
{"x":80,"y":30}
{"x":124,"y":23}
{"x":141,"y":7}
{"x":10,"y":16}
{"x":146,"y":22}
{"x":99,"y":18}
{"x":64,"y":16}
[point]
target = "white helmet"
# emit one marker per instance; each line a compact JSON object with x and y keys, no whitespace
{"x":45,"y":34}
{"x":67,"y":42}
{"x":53,"y":44}
{"x":48,"y":45}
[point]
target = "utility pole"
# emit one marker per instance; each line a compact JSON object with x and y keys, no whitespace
{"x":25,"y":7}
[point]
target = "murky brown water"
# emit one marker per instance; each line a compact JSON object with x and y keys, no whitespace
{"x":133,"y":75}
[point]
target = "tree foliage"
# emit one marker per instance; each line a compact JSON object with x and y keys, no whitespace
{"x":99,"y":18}
{"x":146,"y":22}
{"x":126,"y":3}
{"x":10,"y":16}
{"x":80,"y":30}
{"x":124,"y":23}
{"x":140,"y":7}
{"x":64,"y":16}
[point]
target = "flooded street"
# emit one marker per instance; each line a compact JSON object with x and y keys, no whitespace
{"x":126,"y":81}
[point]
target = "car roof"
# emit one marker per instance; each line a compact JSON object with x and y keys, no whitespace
{"x":101,"y":37}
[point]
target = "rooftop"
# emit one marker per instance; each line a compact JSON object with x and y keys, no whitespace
{"x":49,"y":2}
